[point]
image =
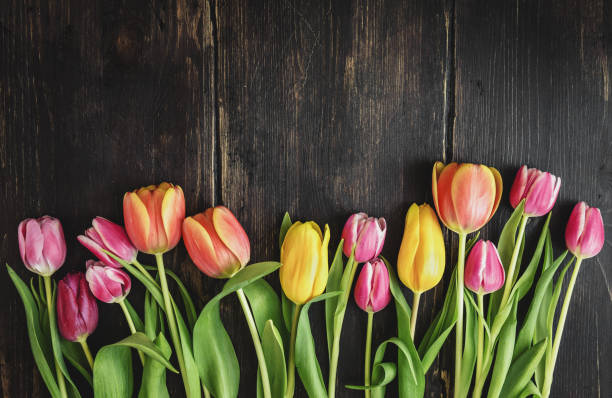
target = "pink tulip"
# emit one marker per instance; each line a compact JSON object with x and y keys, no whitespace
{"x":42,"y":245}
{"x":77,"y":310}
{"x":372,"y":288}
{"x":484,"y":272}
{"x":108,"y":284}
{"x":106,"y":235}
{"x":367,"y":233}
{"x":539,"y":189}
{"x":584,"y":234}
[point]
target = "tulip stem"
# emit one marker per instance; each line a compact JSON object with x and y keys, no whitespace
{"x":142,"y":269}
{"x":550,"y":362}
{"x":172,"y":322}
{"x":87,"y":353}
{"x":368,"y":355}
{"x":415,"y":311}
{"x":263,"y":369}
{"x":459,"y":326}
{"x":513,"y":261}
{"x":130,"y":322}
{"x":480,"y":334}
{"x":291,"y":365}
{"x":51,"y":312}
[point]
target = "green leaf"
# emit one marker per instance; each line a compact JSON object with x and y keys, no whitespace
{"x":246,"y":276}
{"x":142,"y":343}
{"x":151,"y":318}
{"x":287,"y":307}
{"x":190,"y":310}
{"x":274,"y":353}
{"x":333,"y":284}
{"x":285,"y":225}
{"x":74,"y":353}
{"x":134,"y":315}
{"x":305,"y":355}
{"x":505,"y":348}
{"x":191,"y":368}
{"x":468,"y":360}
{"x":42,"y":353}
{"x":112,"y":373}
{"x":412,"y":373}
{"x":522,"y":370}
{"x":154,"y":373}
{"x":265,"y":306}
{"x":150,"y":285}
{"x":530,"y":390}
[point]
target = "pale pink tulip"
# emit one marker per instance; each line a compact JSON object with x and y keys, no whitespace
{"x":42,"y":245}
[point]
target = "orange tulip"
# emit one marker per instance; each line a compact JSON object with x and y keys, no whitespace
{"x":466,"y":195}
{"x":153,"y":216}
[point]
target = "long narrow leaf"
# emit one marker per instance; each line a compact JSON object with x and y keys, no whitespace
{"x":333,"y":284}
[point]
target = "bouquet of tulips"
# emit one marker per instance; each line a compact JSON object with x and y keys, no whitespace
{"x":510,"y":355}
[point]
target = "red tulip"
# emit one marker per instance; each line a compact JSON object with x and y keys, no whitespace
{"x":108,"y":284}
{"x":484,"y":272}
{"x":584,"y":234}
{"x":367,"y":234}
{"x":372,"y":288}
{"x":216,"y":242}
{"x":106,"y":235}
{"x":77,"y":310}
{"x":42,"y":245}
{"x":153,"y":216}
{"x":539,"y":189}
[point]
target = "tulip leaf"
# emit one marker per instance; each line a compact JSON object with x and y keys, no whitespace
{"x":305,"y":355}
{"x":272,"y":345}
{"x":505,"y":349}
{"x":384,"y":373}
{"x":285,"y":225}
{"x":541,"y":326}
{"x":142,"y":343}
{"x":138,"y":324}
{"x":530,"y":390}
{"x":265,"y":305}
{"x":287,"y":307}
{"x":190,"y":310}
{"x":151,"y":318}
{"x":522,"y":370}
{"x":191,"y":368}
{"x":112,"y":372}
{"x":248,"y":275}
{"x":470,"y":343}
{"x":74,"y":353}
{"x":150,"y":285}
{"x":333,"y":284}
{"x":41,"y":352}
{"x":154,"y":373}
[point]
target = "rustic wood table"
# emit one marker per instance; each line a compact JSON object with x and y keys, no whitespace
{"x":318,"y":108}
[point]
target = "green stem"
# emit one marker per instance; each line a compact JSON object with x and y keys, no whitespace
{"x":338,"y":320}
{"x":130,"y":322}
{"x":480,"y":334}
{"x":143,"y":270}
{"x":513,"y":261}
{"x":51,"y":312}
{"x":263,"y":369}
{"x":459,"y":325}
{"x":291,"y":365}
{"x":170,"y":317}
{"x":415,"y":310}
{"x":550,"y":364}
{"x":368,"y":355}
{"x":87,"y":353}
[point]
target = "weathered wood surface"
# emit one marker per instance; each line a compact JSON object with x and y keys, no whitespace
{"x":317,"y":108}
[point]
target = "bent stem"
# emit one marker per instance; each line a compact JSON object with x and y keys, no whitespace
{"x":513,"y":261}
{"x":51,"y":312}
{"x":263,"y":369}
{"x":172,"y":321}
{"x":368,"y":356}
{"x":415,"y":310}
{"x":87,"y":353}
{"x":291,"y":365}
{"x":130,"y":322}
{"x":459,"y":326}
{"x":550,"y":362}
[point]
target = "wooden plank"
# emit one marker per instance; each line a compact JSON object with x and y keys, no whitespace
{"x":326,"y":109}
{"x":532,"y":86}
{"x":98,"y":98}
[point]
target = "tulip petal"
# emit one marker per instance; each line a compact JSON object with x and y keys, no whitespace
{"x":473,"y":192}
{"x":97,"y":251}
{"x":444,"y":204}
{"x":172,"y":214}
{"x":429,"y":259}
{"x":409,"y":246}
{"x":34,"y":244}
{"x":54,"y":249}
{"x":499,"y":187}
{"x":518,"y":187}
{"x":157,"y":239}
{"x":21,"y":237}
{"x":114,"y":238}
{"x":592,"y":240}
{"x":575,"y":227}
{"x":137,"y":223}
{"x":494,"y":275}
{"x":379,"y":293}
{"x":350,"y":232}
{"x":231,"y":234}
{"x":200,"y":248}
{"x":87,"y":306}
{"x":363,"y":286}
{"x":320,"y":277}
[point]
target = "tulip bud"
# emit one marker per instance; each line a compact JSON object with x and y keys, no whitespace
{"x":584,"y":234}
{"x":372,"y":288}
{"x":539,"y":189}
{"x":367,"y":234}
{"x":421,"y":258}
{"x":466,"y":195}
{"x":42,"y":245}
{"x":77,"y":310}
{"x":484,"y":272}
{"x":153,"y":217}
{"x":303,"y":274}
{"x":216,"y":242}
{"x":106,"y":235}
{"x":108,"y":284}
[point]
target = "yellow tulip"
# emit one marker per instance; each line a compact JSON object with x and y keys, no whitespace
{"x":303,"y":274}
{"x":420,"y":262}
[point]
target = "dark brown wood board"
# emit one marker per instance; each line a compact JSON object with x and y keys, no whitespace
{"x":316,"y":108}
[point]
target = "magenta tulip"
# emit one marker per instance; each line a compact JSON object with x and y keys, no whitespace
{"x":108,"y":284}
{"x":584,"y":234}
{"x":42,"y":245}
{"x":484,"y":272}
{"x":372,"y":288}
{"x":106,"y":235}
{"x":77,"y":310}
{"x":367,"y":234}
{"x":539,"y":189}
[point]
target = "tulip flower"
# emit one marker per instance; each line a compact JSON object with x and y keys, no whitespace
{"x":77,"y":311}
{"x":42,"y":245}
{"x":153,"y":217}
{"x":216,"y":242}
{"x":484,"y":272}
{"x":367,"y":234}
{"x":106,"y":235}
{"x":539,"y":189}
{"x":108,"y":284}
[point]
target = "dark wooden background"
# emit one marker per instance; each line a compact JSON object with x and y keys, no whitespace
{"x":318,"y":108}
